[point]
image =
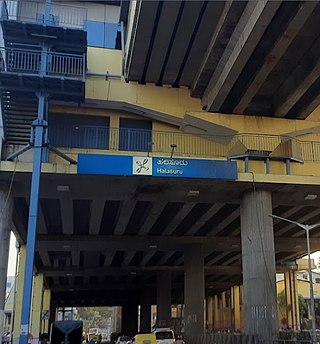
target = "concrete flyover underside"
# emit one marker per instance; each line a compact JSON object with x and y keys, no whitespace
{"x":108,"y":235}
{"x":242,"y":57}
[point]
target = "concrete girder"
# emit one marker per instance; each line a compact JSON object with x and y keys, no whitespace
{"x":209,"y":21}
{"x":146,"y":258}
{"x":41,"y":225}
{"x":229,"y":16}
{"x":141,"y":33}
{"x":180,"y":215}
{"x":128,"y":258}
{"x":109,"y":245}
{"x":305,"y":74}
{"x":224,"y":223}
{"x":44,"y":256}
{"x":121,"y":287}
{"x":183,"y":37}
{"x":169,"y":13}
{"x":75,"y":257}
{"x":163,"y":260}
{"x":127,"y":208}
{"x":109,"y":257}
{"x":120,"y":271}
{"x":276,"y":53}
{"x":204,"y":218}
{"x":97,"y":209}
{"x":154,"y":213}
{"x":302,"y":219}
{"x":247,"y":34}
{"x":66,"y":208}
{"x":105,"y":243}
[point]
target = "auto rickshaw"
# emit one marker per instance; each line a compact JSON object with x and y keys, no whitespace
{"x":145,"y":338}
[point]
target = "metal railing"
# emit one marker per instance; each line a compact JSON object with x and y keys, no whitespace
{"x":29,"y":62}
{"x":34,"y":12}
{"x":179,"y":144}
{"x":221,"y":338}
{"x":237,"y":338}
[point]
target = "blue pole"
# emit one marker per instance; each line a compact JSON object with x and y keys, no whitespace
{"x":32,"y":220}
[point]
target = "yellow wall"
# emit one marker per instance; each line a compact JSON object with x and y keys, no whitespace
{"x":40,"y":299}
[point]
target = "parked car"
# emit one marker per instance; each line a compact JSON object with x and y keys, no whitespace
{"x":164,"y":335}
{"x":123,"y":340}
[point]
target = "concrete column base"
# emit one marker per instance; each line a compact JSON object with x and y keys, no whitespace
{"x":258,"y":261}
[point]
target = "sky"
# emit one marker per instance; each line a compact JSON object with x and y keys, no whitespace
{"x":12,"y":256}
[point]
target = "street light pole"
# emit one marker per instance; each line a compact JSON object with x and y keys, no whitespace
{"x":307,"y":228}
{"x":311,"y":288}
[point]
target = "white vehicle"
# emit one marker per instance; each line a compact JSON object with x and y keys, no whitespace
{"x":164,"y":335}
{"x":123,"y":340}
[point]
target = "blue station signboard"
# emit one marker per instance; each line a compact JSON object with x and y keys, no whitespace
{"x":122,"y":165}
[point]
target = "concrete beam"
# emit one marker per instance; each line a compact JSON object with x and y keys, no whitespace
{"x":123,"y":288}
{"x":108,"y":243}
{"x":226,"y":222}
{"x":109,"y":257}
{"x":103,"y":243}
{"x":119,"y":271}
{"x":300,"y":80}
{"x":204,"y":218}
{"x":163,"y":260}
{"x":230,"y":14}
{"x":247,"y":34}
{"x":289,"y":226}
{"x":41,"y":225}
{"x":128,"y":258}
{"x":127,"y":208}
{"x":66,"y":208}
{"x":44,"y":255}
{"x":75,"y":257}
{"x":180,"y":215}
{"x":276,"y":53}
{"x":147,"y":257}
{"x":153,"y":215}
{"x":97,"y":209}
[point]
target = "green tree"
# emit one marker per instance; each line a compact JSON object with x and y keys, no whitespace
{"x":94,"y":317}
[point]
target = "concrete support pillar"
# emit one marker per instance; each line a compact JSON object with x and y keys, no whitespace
{"x":145,"y":311}
{"x":6,"y":208}
{"x":258,"y":261}
{"x":18,"y":297}
{"x":224,"y":311}
{"x":145,"y":318}
{"x":194,"y":289}
{"x":116,"y":319}
{"x":216,"y":313}
{"x":236,"y":308}
{"x":209,"y":313}
{"x":129,"y":318}
{"x":164,"y":299}
{"x":292,"y":300}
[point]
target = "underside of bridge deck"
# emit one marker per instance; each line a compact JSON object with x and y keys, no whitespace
{"x":108,"y":235}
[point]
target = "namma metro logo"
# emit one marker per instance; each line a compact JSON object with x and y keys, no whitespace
{"x":142,"y":166}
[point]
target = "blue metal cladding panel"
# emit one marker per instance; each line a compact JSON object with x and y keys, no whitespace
{"x":116,"y":165}
{"x":156,"y":167}
{"x":194,"y":168}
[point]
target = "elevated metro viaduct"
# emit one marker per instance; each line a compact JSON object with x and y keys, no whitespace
{"x":189,"y":90}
